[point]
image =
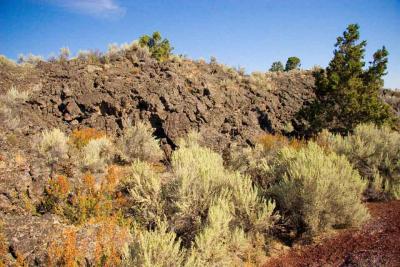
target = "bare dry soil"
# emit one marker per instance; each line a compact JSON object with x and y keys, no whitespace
{"x":375,"y":244}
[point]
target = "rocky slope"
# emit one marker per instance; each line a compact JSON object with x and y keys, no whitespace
{"x":175,"y":97}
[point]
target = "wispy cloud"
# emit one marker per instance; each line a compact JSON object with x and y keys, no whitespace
{"x":101,"y":8}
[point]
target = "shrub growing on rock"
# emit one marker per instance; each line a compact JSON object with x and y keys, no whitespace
{"x":318,"y":191}
{"x":97,"y":154}
{"x":260,"y":80}
{"x":29,"y":60}
{"x":66,"y":253}
{"x":145,"y":191}
{"x":9,"y":109}
{"x":159,"y":48}
{"x":6,"y":62}
{"x":14,"y":96}
{"x":293,"y":63}
{"x":56,"y":192}
{"x":107,"y":237}
{"x":218,"y":244}
{"x":83,"y":200}
{"x":374,"y":151}
{"x":80,"y":138}
{"x":137,"y":142}
{"x":201,"y":178}
{"x":64,"y":53}
{"x":159,"y":247}
{"x":54,"y":145}
{"x":276,"y":66}
{"x":256,"y":161}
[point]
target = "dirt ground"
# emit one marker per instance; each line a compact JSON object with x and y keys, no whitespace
{"x":375,"y":244}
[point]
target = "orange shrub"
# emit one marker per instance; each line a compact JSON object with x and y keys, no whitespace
{"x":20,"y":261}
{"x":84,"y":201}
{"x":297,"y":143}
{"x":158,"y":167}
{"x":89,"y":182}
{"x":81,"y":138}
{"x":121,"y":201}
{"x":59,"y":187}
{"x":109,"y":240}
{"x":111,"y":179}
{"x":56,"y":192}
{"x":86,"y":205}
{"x":67,"y":253}
{"x":270,"y":141}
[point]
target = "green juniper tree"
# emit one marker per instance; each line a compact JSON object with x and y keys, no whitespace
{"x":276,"y":66}
{"x":159,"y":48}
{"x":292,"y":63}
{"x":347,"y":93}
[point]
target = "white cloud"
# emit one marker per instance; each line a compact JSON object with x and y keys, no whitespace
{"x":103,"y":8}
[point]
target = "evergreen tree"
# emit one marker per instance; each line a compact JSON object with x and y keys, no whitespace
{"x":276,"y":66}
{"x":348,"y":94}
{"x":292,"y":63}
{"x":159,"y":48}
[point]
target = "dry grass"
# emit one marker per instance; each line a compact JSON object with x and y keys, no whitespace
{"x":260,"y":81}
{"x":4,"y":61}
{"x":14,"y":96}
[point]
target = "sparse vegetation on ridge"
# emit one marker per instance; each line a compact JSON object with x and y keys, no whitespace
{"x":9,"y":104}
{"x":292,"y":63}
{"x":276,"y":66}
{"x":159,"y":48}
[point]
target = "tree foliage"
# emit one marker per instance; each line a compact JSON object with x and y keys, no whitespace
{"x":347,"y":93}
{"x":292,"y":63}
{"x":159,"y":48}
{"x":276,"y":66}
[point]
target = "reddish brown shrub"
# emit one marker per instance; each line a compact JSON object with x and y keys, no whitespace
{"x":81,"y":138}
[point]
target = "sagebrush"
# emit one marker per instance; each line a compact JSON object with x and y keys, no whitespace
{"x":374,"y":151}
{"x":317,"y":191}
{"x":138,"y":142}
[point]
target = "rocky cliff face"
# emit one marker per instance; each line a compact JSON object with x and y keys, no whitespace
{"x":175,"y":97}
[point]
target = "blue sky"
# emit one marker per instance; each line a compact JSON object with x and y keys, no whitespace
{"x":250,"y":34}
